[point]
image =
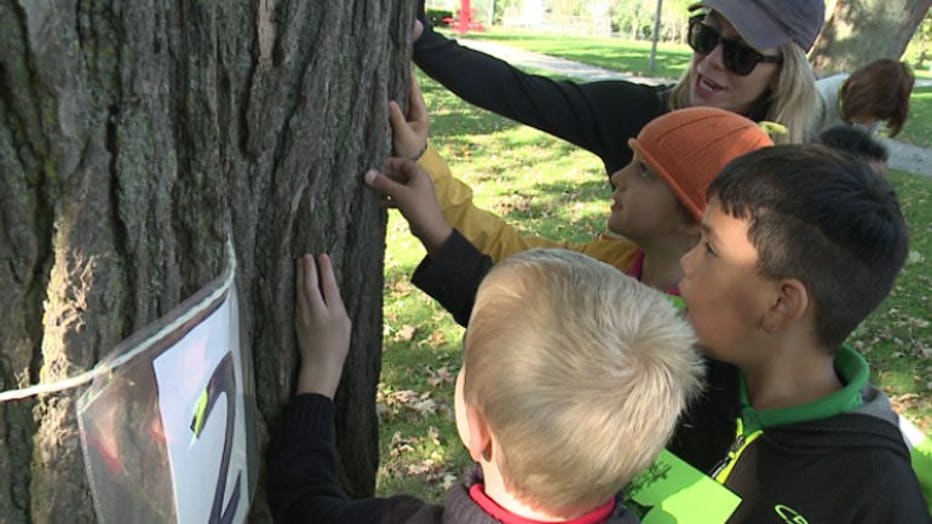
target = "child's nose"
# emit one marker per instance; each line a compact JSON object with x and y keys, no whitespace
{"x":617,"y":179}
{"x":686,"y":260}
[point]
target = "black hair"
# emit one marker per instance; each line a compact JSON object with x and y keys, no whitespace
{"x":824,"y":218}
{"x":855,"y":141}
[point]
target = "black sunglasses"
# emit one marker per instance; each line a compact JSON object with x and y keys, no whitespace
{"x":738,"y":58}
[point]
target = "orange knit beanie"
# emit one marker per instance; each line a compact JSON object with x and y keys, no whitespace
{"x":689,"y":147}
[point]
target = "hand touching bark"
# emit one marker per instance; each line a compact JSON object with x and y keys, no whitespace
{"x":321,"y":325}
{"x":409,"y":133}
{"x":408,"y":187}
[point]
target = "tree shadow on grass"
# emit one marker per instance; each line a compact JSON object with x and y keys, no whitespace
{"x":570,"y":211}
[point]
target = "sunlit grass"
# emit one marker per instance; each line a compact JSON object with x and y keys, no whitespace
{"x":626,"y":56}
{"x":897,"y":338}
{"x":918,"y":129}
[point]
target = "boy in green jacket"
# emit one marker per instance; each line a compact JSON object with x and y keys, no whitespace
{"x":799,"y":244}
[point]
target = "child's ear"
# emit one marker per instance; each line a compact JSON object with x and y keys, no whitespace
{"x":790,"y":303}
{"x":480,"y":438}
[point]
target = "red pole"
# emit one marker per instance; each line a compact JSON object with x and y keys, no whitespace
{"x":465,"y":16}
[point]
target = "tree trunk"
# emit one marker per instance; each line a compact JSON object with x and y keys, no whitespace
{"x":131,"y":135}
{"x":861,"y":31}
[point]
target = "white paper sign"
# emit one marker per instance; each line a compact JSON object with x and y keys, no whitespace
{"x":169,"y":435}
{"x":199,"y":379}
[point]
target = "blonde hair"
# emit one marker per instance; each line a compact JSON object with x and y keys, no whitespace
{"x":794,"y":103}
{"x":581,"y":373}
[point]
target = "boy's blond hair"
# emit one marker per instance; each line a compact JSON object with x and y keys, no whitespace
{"x":581,"y":373}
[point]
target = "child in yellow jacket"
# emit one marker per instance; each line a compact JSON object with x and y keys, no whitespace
{"x":655,"y":208}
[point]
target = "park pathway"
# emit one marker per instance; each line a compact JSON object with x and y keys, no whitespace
{"x":904,"y":157}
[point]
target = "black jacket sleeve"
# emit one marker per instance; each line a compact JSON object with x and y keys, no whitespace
{"x":597,"y":116}
{"x":302,"y":483}
{"x":452,"y":276}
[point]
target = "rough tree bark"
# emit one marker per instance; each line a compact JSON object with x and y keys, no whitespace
{"x":131,"y":134}
{"x":860,"y":31}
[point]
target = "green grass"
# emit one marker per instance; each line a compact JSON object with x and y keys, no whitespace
{"x":897,"y":338}
{"x":626,"y":56}
{"x":918,"y":128}
{"x":551,"y":188}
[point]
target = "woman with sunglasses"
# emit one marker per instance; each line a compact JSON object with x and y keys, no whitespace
{"x":748,"y":57}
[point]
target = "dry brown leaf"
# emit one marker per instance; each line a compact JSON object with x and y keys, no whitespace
{"x":406,"y":333}
{"x":903,"y":403}
{"x":440,"y":376}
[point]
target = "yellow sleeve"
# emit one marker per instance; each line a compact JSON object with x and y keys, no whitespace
{"x":498,"y":239}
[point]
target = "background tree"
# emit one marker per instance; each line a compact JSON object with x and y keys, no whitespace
{"x":860,"y":31}
{"x":922,"y":40}
{"x":130,"y":136}
{"x":634,"y":19}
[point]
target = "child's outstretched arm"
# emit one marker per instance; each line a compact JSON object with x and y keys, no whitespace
{"x":407,"y":187}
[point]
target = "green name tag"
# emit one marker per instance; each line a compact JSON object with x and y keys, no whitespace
{"x":921,"y":456}
{"x":671,"y":491}
{"x":920,"y":453}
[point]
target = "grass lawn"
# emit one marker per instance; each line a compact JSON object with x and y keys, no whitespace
{"x":551,"y":188}
{"x":918,"y":128}
{"x":627,"y":56}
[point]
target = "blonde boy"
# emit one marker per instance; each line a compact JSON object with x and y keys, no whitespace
{"x":573,"y":379}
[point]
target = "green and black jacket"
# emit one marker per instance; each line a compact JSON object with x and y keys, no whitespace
{"x":836,"y":460}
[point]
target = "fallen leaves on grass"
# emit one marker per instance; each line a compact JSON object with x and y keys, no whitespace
{"x":903,"y":403}
{"x":406,"y":333}
{"x":435,"y":340}
{"x":513,"y":203}
{"x":420,"y":456}
{"x":440,"y":376}
{"x":392,"y":403}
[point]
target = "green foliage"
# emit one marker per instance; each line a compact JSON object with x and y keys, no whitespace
{"x":438,"y":17}
{"x":553,"y":189}
{"x":635,"y":18}
{"x":567,"y":7}
{"x":919,"y":51}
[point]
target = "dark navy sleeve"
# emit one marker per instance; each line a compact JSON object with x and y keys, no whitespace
{"x":597,"y":116}
{"x":452,"y":276}
{"x":302,"y":483}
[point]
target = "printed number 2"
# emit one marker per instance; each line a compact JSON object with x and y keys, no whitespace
{"x":223,"y":381}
